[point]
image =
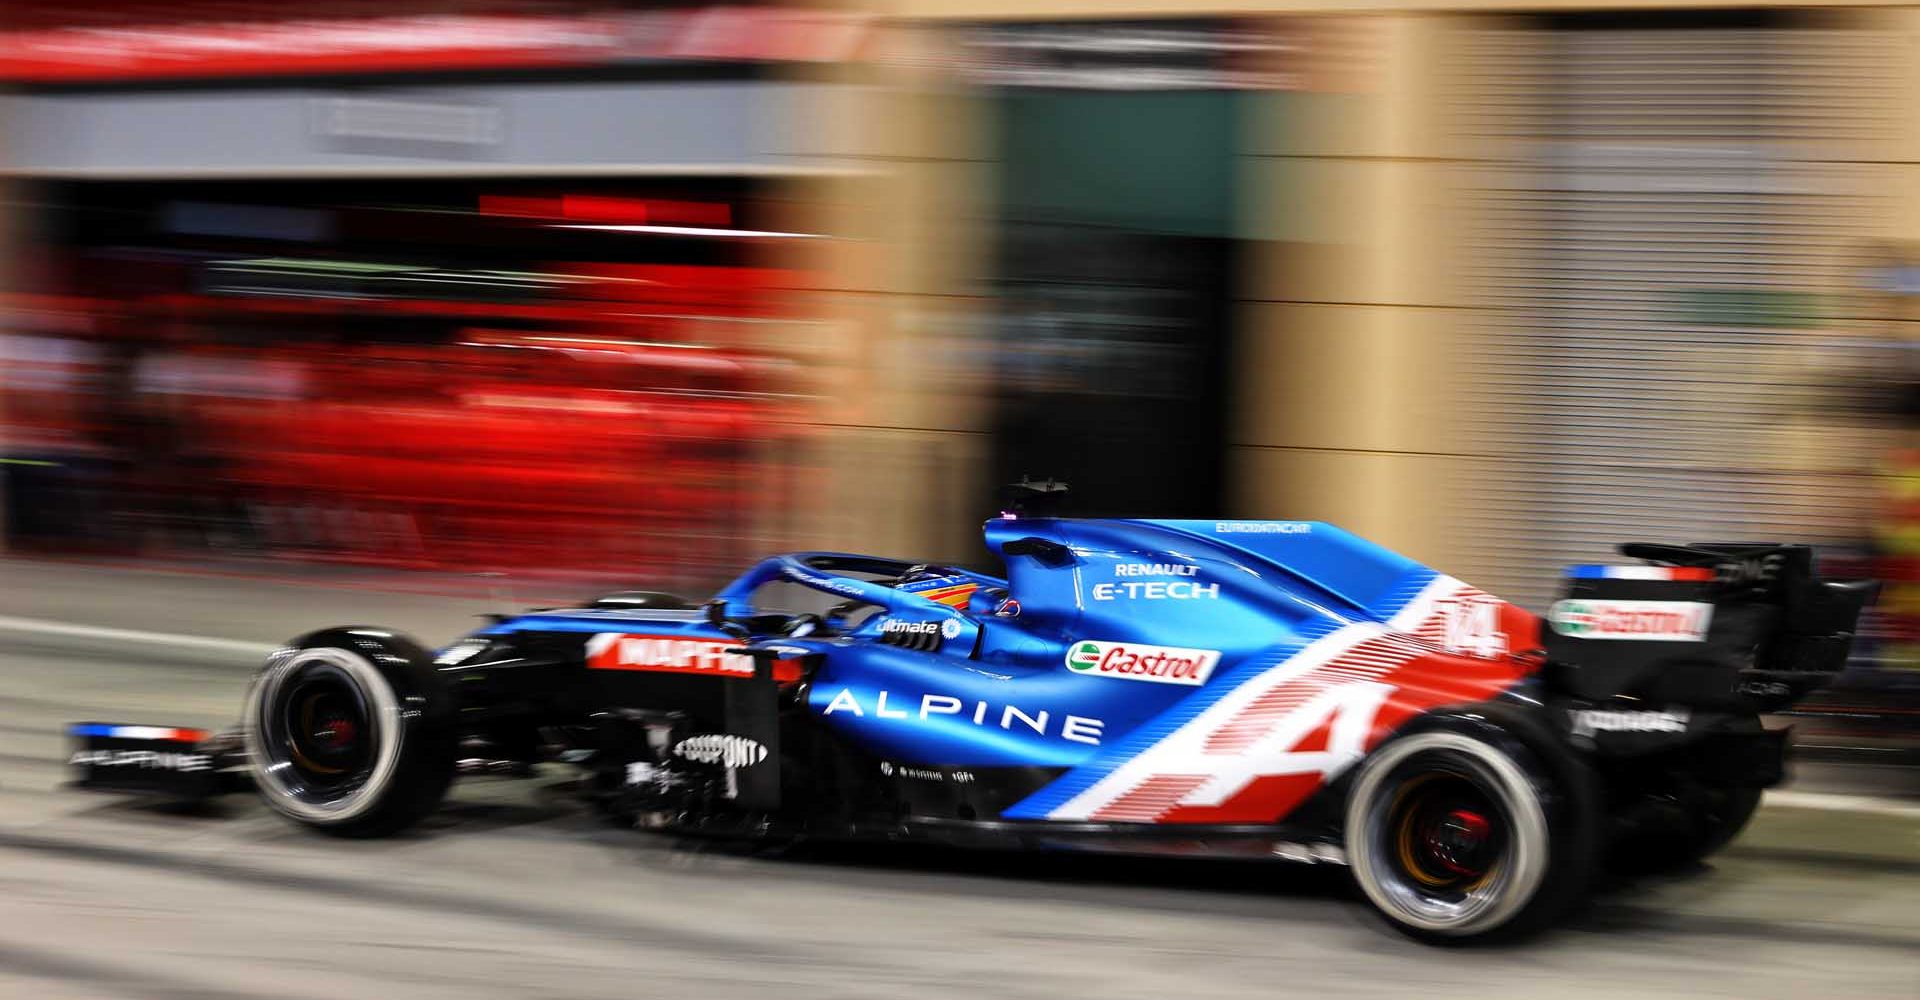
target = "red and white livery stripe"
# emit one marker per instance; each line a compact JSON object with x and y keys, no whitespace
{"x":1269,"y":743}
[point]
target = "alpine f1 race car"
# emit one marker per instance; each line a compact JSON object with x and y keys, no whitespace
{"x":1254,"y":689}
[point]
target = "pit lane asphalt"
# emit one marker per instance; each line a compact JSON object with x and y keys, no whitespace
{"x":513,"y":892}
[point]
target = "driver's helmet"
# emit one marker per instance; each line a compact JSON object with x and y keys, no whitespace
{"x":991,"y":601}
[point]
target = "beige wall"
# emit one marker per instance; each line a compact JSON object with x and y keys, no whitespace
{"x":1343,"y":381}
{"x":896,"y":444}
{"x":1348,"y":362}
{"x":1345,"y":375}
{"x":1355,"y":393}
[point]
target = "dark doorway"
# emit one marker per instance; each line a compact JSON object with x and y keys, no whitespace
{"x":1115,"y":291}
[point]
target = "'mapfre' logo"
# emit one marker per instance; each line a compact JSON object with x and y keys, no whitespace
{"x":1656,"y":621}
{"x":1159,"y":664}
{"x":667,"y":654}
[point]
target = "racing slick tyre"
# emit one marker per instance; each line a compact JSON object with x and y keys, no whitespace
{"x":350,"y":731}
{"x":1459,"y":832}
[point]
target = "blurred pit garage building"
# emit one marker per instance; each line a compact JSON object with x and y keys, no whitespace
{"x":639,"y":291}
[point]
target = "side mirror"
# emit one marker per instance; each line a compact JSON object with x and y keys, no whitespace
{"x":717,"y":617}
{"x":1049,"y":553}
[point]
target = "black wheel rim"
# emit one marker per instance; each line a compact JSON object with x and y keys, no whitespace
{"x":1447,"y":834}
{"x":322,"y":733}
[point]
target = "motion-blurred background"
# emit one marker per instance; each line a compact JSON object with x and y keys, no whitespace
{"x":569,"y":290}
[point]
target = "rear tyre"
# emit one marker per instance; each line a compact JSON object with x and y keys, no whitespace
{"x":1459,"y":836}
{"x":350,"y":732}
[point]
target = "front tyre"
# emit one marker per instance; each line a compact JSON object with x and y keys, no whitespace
{"x":350,"y":731}
{"x":1457,"y":836}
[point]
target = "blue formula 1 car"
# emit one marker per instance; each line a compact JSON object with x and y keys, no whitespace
{"x":1274,"y":689}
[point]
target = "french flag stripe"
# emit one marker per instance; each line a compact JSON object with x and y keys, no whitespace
{"x":1640,"y":572}
{"x":168,"y":733}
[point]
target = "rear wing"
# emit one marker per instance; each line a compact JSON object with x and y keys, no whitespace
{"x":1716,"y":624}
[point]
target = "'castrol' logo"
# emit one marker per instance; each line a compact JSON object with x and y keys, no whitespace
{"x":1656,"y":621}
{"x":667,"y":654}
{"x":1127,"y":661}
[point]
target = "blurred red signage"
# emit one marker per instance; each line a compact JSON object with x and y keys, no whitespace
{"x":139,"y":42}
{"x":603,"y":208}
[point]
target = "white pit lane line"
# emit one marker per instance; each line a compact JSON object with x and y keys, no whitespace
{"x":43,"y":626}
{"x":1834,"y":802}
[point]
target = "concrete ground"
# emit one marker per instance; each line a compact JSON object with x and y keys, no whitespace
{"x":512,"y":892}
